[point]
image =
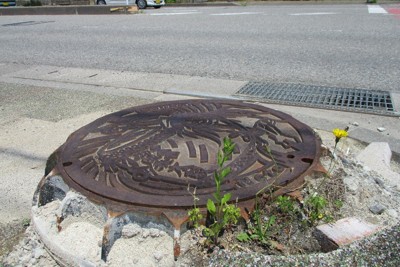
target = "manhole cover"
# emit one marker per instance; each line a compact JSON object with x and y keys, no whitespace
{"x":347,"y":99}
{"x":149,"y":155}
{"x":143,"y":163}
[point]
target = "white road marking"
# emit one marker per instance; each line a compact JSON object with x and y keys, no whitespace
{"x":373,"y":9}
{"x":235,"y":14}
{"x":183,"y":9}
{"x":172,"y":14}
{"x":313,"y":14}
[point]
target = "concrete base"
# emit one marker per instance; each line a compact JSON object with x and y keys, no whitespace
{"x":79,"y":232}
{"x":377,"y":157}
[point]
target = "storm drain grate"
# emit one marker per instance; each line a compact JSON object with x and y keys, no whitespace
{"x":348,"y":99}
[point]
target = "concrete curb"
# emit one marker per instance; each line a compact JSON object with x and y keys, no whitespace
{"x":66,"y":10}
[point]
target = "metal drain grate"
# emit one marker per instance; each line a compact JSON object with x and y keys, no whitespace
{"x":348,"y":99}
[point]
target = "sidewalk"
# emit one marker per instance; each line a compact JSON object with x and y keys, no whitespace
{"x":157,"y":87}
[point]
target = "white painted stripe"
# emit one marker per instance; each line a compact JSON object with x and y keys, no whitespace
{"x":172,"y":14}
{"x":182,"y":9}
{"x":375,"y":9}
{"x":235,"y":14}
{"x":313,"y":14}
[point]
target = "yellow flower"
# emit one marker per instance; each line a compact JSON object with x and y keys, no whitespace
{"x":339,"y":133}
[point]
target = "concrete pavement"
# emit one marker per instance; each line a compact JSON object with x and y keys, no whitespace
{"x":41,"y":105}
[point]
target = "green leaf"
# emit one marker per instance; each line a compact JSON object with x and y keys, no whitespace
{"x":217,"y":197}
{"x":220,"y":159}
{"x":226,"y":198}
{"x":231,"y":214}
{"x":208,"y":232}
{"x":217,"y":177}
{"x":271,"y":221}
{"x":254,"y":237}
{"x":243,"y":237}
{"x":225,"y":172}
{"x":228,"y":143}
{"x":211,"y":206}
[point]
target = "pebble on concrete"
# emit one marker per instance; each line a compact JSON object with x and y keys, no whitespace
{"x":377,"y":208}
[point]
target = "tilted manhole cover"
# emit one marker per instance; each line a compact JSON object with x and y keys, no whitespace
{"x":150,"y":158}
{"x":149,"y":155}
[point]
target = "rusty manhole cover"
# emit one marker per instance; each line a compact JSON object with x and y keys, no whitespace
{"x":141,"y":165}
{"x":148,"y":155}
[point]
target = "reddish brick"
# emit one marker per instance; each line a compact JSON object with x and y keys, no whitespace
{"x":343,"y":232}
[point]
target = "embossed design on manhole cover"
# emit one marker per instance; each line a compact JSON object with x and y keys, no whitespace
{"x":148,"y":155}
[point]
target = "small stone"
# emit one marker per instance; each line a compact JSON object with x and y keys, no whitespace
{"x":202,"y":241}
{"x":366,"y":169}
{"x":379,"y":182}
{"x":154,"y":232}
{"x":38,"y":252}
{"x":131,"y":230}
{"x":33,"y":261}
{"x":145,"y":233}
{"x":377,"y":208}
{"x":351,"y":185}
{"x":345,"y":161}
{"x":381,"y":129}
{"x":25,"y":259}
{"x":216,"y":250}
{"x":392,"y":213}
{"x":158,"y":256}
{"x":223,"y":244}
{"x":355,"y":123}
{"x":162,"y":233}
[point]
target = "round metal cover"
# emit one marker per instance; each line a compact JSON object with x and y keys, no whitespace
{"x":149,"y":155}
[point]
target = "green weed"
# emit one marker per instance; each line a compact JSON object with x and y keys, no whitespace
{"x":194,"y":214}
{"x":219,"y":210}
{"x":314,"y":208}
{"x":26,"y":222}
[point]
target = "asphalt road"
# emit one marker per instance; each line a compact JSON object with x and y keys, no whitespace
{"x":336,"y":45}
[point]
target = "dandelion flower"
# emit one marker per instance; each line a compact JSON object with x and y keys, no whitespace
{"x":339,"y":133}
